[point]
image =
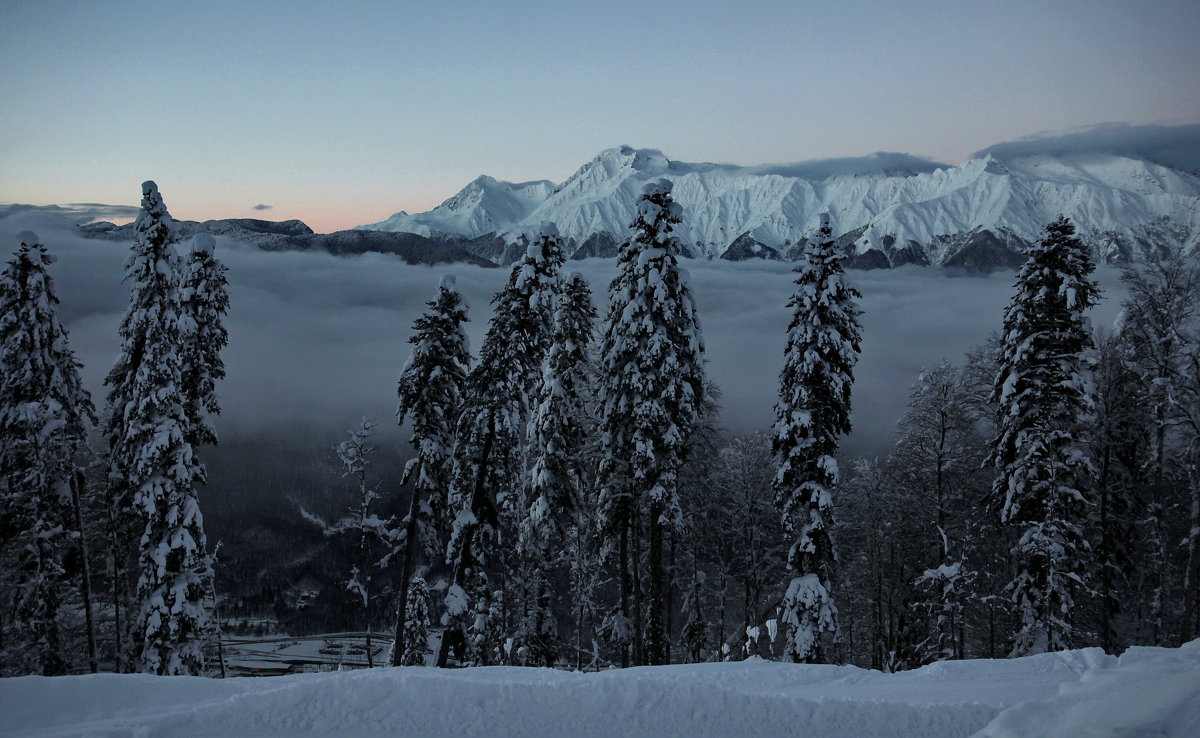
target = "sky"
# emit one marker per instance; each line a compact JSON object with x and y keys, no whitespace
{"x":341,"y":114}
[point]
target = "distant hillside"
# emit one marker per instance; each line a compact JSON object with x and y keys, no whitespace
{"x":293,"y":235}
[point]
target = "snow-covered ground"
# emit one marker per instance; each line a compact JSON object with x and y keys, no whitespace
{"x":1145,"y":692}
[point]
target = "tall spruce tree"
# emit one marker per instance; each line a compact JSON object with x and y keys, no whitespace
{"x":652,"y":388}
{"x":487,"y":477}
{"x":431,"y":390}
{"x":558,"y":426}
{"x":151,"y":463}
{"x":43,"y":413}
{"x":812,"y":413}
{"x":1043,"y":397}
{"x":204,"y":297}
{"x":204,"y":294}
{"x":558,"y":432}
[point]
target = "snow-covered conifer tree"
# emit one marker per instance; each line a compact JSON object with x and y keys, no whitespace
{"x":557,"y":431}
{"x":151,"y":465}
{"x":652,"y":387}
{"x":812,"y":413}
{"x":431,"y":392}
{"x":487,"y":478}
{"x":43,"y":411}
{"x":557,"y":427}
{"x":204,"y":295}
{"x":1043,"y":397}
{"x":416,"y":624}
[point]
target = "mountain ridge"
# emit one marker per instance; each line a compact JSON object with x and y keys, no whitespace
{"x":888,"y":209}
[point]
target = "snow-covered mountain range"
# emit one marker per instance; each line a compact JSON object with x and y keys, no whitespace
{"x":890,"y":209}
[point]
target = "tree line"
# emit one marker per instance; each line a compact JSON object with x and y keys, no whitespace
{"x":570,"y":498}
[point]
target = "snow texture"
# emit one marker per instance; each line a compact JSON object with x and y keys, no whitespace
{"x":1147,"y":691}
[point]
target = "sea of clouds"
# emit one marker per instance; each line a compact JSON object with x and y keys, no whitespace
{"x":318,"y":341}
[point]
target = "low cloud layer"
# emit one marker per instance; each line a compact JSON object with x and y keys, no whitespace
{"x":852,"y":166}
{"x":1172,"y":146}
{"x":260,"y":206}
{"x":76,"y":212}
{"x":317,"y":341}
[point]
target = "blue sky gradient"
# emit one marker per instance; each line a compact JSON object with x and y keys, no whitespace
{"x":343,"y":115}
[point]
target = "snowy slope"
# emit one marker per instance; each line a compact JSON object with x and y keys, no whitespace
{"x":1145,"y":692}
{"x":901,"y":208}
{"x":485,"y":205}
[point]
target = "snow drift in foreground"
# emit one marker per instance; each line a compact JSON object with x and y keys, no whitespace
{"x":1146,"y":691}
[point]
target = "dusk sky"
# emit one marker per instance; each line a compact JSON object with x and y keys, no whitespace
{"x":343,"y":115}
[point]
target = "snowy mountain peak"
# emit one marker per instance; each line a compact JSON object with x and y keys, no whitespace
{"x":886,"y":208}
{"x":484,"y":205}
{"x":992,"y":165}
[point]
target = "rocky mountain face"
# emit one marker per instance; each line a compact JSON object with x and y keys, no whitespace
{"x":889,"y":209}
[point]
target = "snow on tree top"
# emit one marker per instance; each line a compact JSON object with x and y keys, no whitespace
{"x":448,"y":282}
{"x":28,"y":238}
{"x":149,"y":187}
{"x":660,"y":186}
{"x":203,"y":242}
{"x":547,"y":228}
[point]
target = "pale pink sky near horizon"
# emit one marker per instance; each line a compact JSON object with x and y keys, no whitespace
{"x":343,"y":116}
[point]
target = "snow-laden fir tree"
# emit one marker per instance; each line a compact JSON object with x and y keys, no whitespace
{"x":487,"y":471}
{"x":204,"y":297}
{"x":416,"y":625}
{"x":1043,"y":397}
{"x":812,"y":413}
{"x":559,"y":421}
{"x":151,"y":466}
{"x":651,"y":390}
{"x":558,"y":430}
{"x":431,"y":390}
{"x":204,"y":294}
{"x":43,"y":412}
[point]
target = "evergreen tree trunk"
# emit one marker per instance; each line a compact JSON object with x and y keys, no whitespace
{"x":465,"y":570}
{"x":623,"y":555}
{"x":85,"y":577}
{"x":639,"y":605}
{"x":655,"y":648}
{"x":1108,"y":597}
{"x":117,"y":585}
{"x":406,"y":570}
{"x":670,"y":603}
